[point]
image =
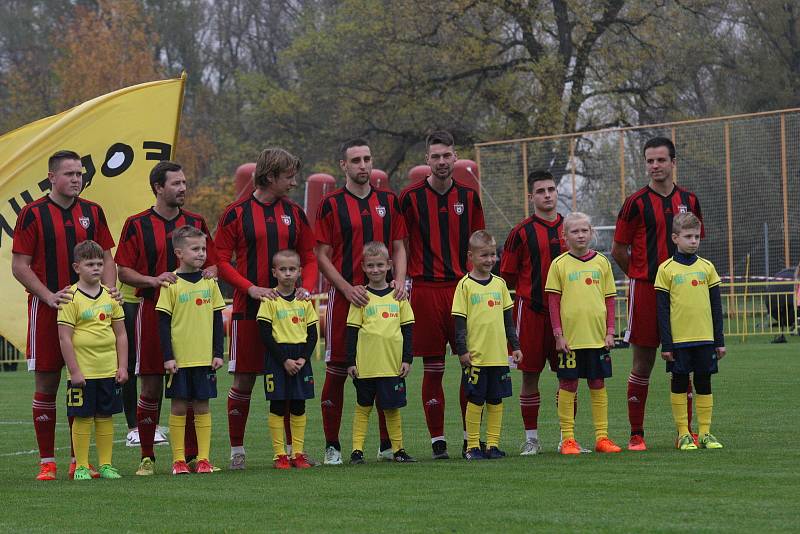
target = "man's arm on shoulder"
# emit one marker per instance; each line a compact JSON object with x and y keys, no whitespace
{"x":621,"y":255}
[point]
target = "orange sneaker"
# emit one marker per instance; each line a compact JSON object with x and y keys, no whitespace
{"x":180,"y":468}
{"x":282,"y":462}
{"x":203,"y":466}
{"x":92,"y":470}
{"x":47,"y":471}
{"x":300,"y":461}
{"x":606,"y":445}
{"x":637,"y":443}
{"x":570,"y":446}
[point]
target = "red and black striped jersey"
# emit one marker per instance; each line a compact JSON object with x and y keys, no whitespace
{"x":530,"y":248}
{"x":145,"y":244}
{"x":249,"y":234}
{"x":346,"y":223}
{"x":439,"y":226}
{"x":48,"y":233}
{"x":645,"y":224}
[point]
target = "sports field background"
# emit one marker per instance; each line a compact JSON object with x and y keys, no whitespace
{"x":750,"y":485}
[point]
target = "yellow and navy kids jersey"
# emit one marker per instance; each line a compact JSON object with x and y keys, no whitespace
{"x":483,"y":322}
{"x":288,"y":327}
{"x":584,"y":285}
{"x":190,"y":320}
{"x":379,"y":334}
{"x":92,"y":336}
{"x":689,"y":287}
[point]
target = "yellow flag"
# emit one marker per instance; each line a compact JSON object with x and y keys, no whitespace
{"x":120,"y":137}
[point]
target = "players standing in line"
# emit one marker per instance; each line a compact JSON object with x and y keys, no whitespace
{"x":440,"y":214}
{"x":289,"y":329}
{"x":347,"y":219}
{"x":484,"y":328}
{"x":147,"y":259}
{"x":581,"y":293}
{"x":641,"y":243}
{"x":690,"y":319}
{"x":95,"y":348}
{"x":45,"y":236}
{"x":249,"y":233}
{"x":530,"y":248}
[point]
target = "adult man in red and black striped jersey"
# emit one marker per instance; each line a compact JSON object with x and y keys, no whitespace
{"x":249,"y":233}
{"x":530,"y":248}
{"x":45,"y":236}
{"x":347,"y":219}
{"x":440,"y":214}
{"x":642,"y":241}
{"x":146,"y":261}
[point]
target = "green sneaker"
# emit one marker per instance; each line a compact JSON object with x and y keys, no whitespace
{"x":708,"y":441}
{"x":109,"y":471}
{"x":686,"y":443}
{"x":82,"y":473}
{"x":146,"y":467}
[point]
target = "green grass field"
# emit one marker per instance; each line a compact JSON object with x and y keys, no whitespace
{"x":751,"y":485}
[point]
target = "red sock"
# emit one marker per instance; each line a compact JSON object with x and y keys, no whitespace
{"x":190,"y":439}
{"x":331,"y":401}
{"x":238,"y":410}
{"x":383,"y":431}
{"x":287,"y":427}
{"x":433,"y":394}
{"x":637,"y":398}
{"x":44,"y":423}
{"x":462,"y":398}
{"x":146,"y":420}
{"x":529,"y":406}
{"x":689,"y":397}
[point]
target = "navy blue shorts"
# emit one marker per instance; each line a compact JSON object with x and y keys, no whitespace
{"x":486,"y":383}
{"x":192,"y":383}
{"x":387,"y":392}
{"x":280,"y":385}
{"x":584,"y":363}
{"x":100,"y":396}
{"x":700,"y":359}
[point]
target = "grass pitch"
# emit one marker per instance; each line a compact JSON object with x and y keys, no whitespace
{"x":750,"y":485}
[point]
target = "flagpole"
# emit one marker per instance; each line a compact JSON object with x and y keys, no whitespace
{"x":178,"y":116}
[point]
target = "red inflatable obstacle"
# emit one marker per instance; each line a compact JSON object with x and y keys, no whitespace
{"x":466,"y":172}
{"x":379,"y":179}
{"x":420,"y":172}
{"x":244,"y":180}
{"x":317,"y":186}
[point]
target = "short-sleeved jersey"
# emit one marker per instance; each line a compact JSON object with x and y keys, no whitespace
{"x":48,"y":233}
{"x":93,"y":337}
{"x":290,"y":318}
{"x":146,"y":245}
{"x":527,"y":254}
{"x":584,"y":285}
{"x":439,"y":226}
{"x":689,"y":301}
{"x":347,"y":222}
{"x":192,"y":307}
{"x":379,"y":351}
{"x":645,"y":223}
{"x":249,"y":233}
{"x":482,"y":303}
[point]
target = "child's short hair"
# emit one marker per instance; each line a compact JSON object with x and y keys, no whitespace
{"x":685,"y":221}
{"x":376,"y":248}
{"x":574,"y":217}
{"x":180,"y":235}
{"x":481,"y":238}
{"x":286,"y":254}
{"x":87,"y":250}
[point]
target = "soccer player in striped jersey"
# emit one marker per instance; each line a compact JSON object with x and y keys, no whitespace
{"x":440,"y":214}
{"x":530,"y":248}
{"x":641,"y":243}
{"x":45,"y":236}
{"x":146,"y":259}
{"x":249,"y":233}
{"x":347,"y":219}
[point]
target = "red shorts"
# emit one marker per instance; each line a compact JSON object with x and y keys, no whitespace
{"x":247,"y":350}
{"x":149,"y":359}
{"x":642,"y":319}
{"x":44,"y":351}
{"x":433,"y":319}
{"x":336,"y":327}
{"x":535,"y":338}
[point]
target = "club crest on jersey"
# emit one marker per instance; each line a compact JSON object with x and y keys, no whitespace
{"x":682,"y":208}
{"x":459,"y":208}
{"x":381,"y":210}
{"x":84,"y":222}
{"x":286,"y":220}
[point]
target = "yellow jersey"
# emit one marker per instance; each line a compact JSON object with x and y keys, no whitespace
{"x":290,"y":318}
{"x":482,"y":303}
{"x":689,"y":303}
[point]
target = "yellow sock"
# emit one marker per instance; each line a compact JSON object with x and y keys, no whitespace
{"x":276,"y":431}
{"x":177,"y":437}
{"x":360,"y":424}
{"x":679,"y":403}
{"x":104,"y":439}
{"x":704,"y":404}
{"x":202,"y":427}
{"x":599,"y":412}
{"x":472,"y":421}
{"x":494,"y":422}
{"x":298,"y":425}
{"x":81,"y":433}
{"x":394,"y":425}
{"x":566,"y":413}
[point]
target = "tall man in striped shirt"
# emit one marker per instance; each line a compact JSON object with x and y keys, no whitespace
{"x":642,"y":241}
{"x":440,"y":215}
